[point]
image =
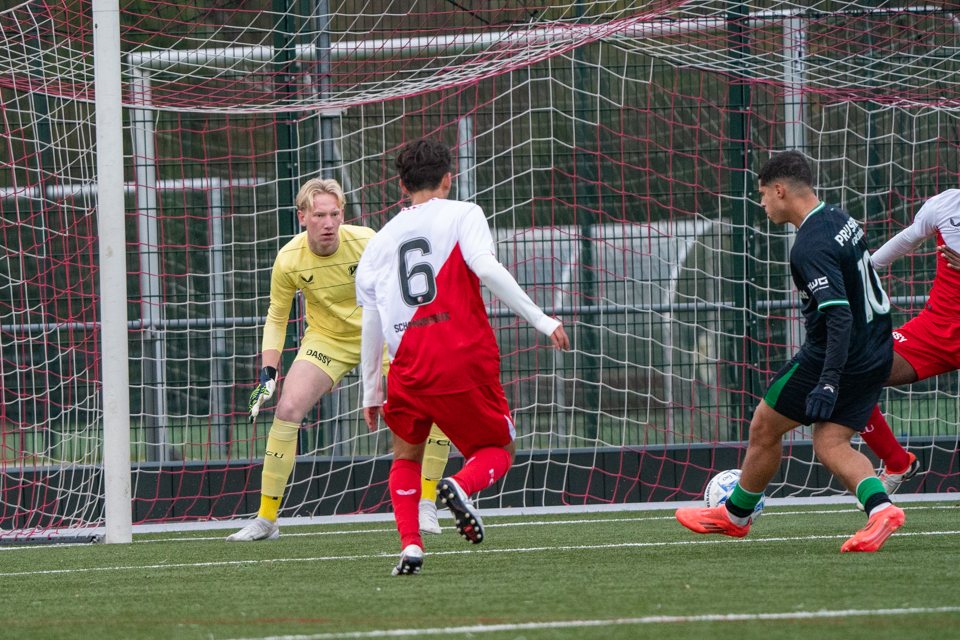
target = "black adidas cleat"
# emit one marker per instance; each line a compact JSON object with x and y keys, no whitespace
{"x":411,"y":561}
{"x":465,"y":515}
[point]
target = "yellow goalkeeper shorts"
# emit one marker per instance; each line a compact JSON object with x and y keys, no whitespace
{"x":336,"y":357}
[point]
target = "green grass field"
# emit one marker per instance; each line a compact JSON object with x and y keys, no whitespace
{"x":334,"y":581}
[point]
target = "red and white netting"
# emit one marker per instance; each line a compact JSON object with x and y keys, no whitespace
{"x":613,"y":146}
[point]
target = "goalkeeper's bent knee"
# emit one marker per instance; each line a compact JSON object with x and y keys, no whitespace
{"x":279,"y":459}
{"x":435,"y":455}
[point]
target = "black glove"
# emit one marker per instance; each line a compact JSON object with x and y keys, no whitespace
{"x":820,"y":401}
{"x":263,"y":391}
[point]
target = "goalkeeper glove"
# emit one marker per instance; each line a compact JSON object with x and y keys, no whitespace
{"x":263,"y":391}
{"x":820,"y":401}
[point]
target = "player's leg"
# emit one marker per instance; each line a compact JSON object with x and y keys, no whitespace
{"x":304,"y":385}
{"x":479,"y":424}
{"x":857,"y":397}
{"x":902,"y":372}
{"x":764,"y":452}
{"x":879,"y":436}
{"x":484,"y":434}
{"x":435,"y":456}
{"x":410,"y":424}
{"x":486,"y":466}
{"x":404,"y":494}
{"x":924,"y":347}
{"x":918,"y":354}
{"x":783,"y":408}
{"x":831,"y":443}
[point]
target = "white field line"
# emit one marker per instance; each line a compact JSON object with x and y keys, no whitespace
{"x":538,"y":523}
{"x":568,"y":510}
{"x":533,"y":523}
{"x":569,"y":624}
{"x":622,"y":545}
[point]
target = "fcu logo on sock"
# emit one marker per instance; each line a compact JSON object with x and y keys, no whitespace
{"x":407,"y":492}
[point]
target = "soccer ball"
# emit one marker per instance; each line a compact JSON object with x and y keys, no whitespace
{"x":721,"y":486}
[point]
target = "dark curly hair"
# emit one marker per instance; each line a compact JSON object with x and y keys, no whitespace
{"x":788,"y":165}
{"x":422,"y":164}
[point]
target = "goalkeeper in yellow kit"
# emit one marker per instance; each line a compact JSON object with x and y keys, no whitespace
{"x":321,"y":262}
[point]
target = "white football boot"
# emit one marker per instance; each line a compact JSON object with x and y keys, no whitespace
{"x":259,"y":529}
{"x":429,"y":525}
{"x":411,"y":561}
{"x":892,"y":481}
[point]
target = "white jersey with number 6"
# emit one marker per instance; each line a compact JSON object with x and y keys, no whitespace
{"x":417,"y":273}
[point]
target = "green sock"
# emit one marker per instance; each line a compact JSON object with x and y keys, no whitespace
{"x":869,"y":486}
{"x":743,"y":500}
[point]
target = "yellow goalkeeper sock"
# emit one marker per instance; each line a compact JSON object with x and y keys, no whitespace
{"x":428,"y":489}
{"x":435,"y":456}
{"x":269,"y":506}
{"x":277,"y":465}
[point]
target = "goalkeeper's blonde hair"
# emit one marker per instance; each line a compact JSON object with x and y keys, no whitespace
{"x":316,"y":186}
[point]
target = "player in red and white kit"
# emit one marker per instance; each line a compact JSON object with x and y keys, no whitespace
{"x":929,"y":344}
{"x":419,"y":285}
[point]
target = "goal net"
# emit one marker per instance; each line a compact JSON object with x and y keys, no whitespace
{"x":613,"y":147}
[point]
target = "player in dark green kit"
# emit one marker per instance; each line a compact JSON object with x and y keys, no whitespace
{"x":836,"y":378}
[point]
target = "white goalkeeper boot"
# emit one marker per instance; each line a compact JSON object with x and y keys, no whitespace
{"x":259,"y":529}
{"x":411,"y":561}
{"x":428,"y":518}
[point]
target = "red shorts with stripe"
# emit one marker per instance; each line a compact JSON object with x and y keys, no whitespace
{"x":930,"y":343}
{"x":472,"y":419}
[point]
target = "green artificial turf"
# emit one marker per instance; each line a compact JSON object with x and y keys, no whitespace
{"x":336,"y":579}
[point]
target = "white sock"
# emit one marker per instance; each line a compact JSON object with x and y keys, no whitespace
{"x":879,"y":507}
{"x":737,"y":520}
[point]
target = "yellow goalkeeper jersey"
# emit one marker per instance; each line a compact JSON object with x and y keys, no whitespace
{"x":327,"y":284}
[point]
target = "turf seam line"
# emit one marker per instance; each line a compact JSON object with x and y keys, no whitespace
{"x":392,"y":556}
{"x":566,"y":624}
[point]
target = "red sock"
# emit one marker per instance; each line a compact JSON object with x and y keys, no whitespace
{"x":879,"y":437}
{"x":484,"y":468}
{"x":405,"y":495}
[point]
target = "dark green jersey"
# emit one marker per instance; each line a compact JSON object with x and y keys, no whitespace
{"x":831,"y":266}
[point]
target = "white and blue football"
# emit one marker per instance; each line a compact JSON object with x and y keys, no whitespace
{"x":721,"y":486}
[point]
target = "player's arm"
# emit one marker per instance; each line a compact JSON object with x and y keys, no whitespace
{"x":274,"y":335}
{"x":502,"y":284}
{"x":476,"y":244}
{"x":902,"y":244}
{"x":905,"y":242}
{"x":371,"y":364}
{"x":823,"y":270}
{"x":371,"y":339}
{"x":820,"y":401}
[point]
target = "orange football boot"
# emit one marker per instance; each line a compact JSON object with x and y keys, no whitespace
{"x":713,"y":520}
{"x":878,"y":529}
